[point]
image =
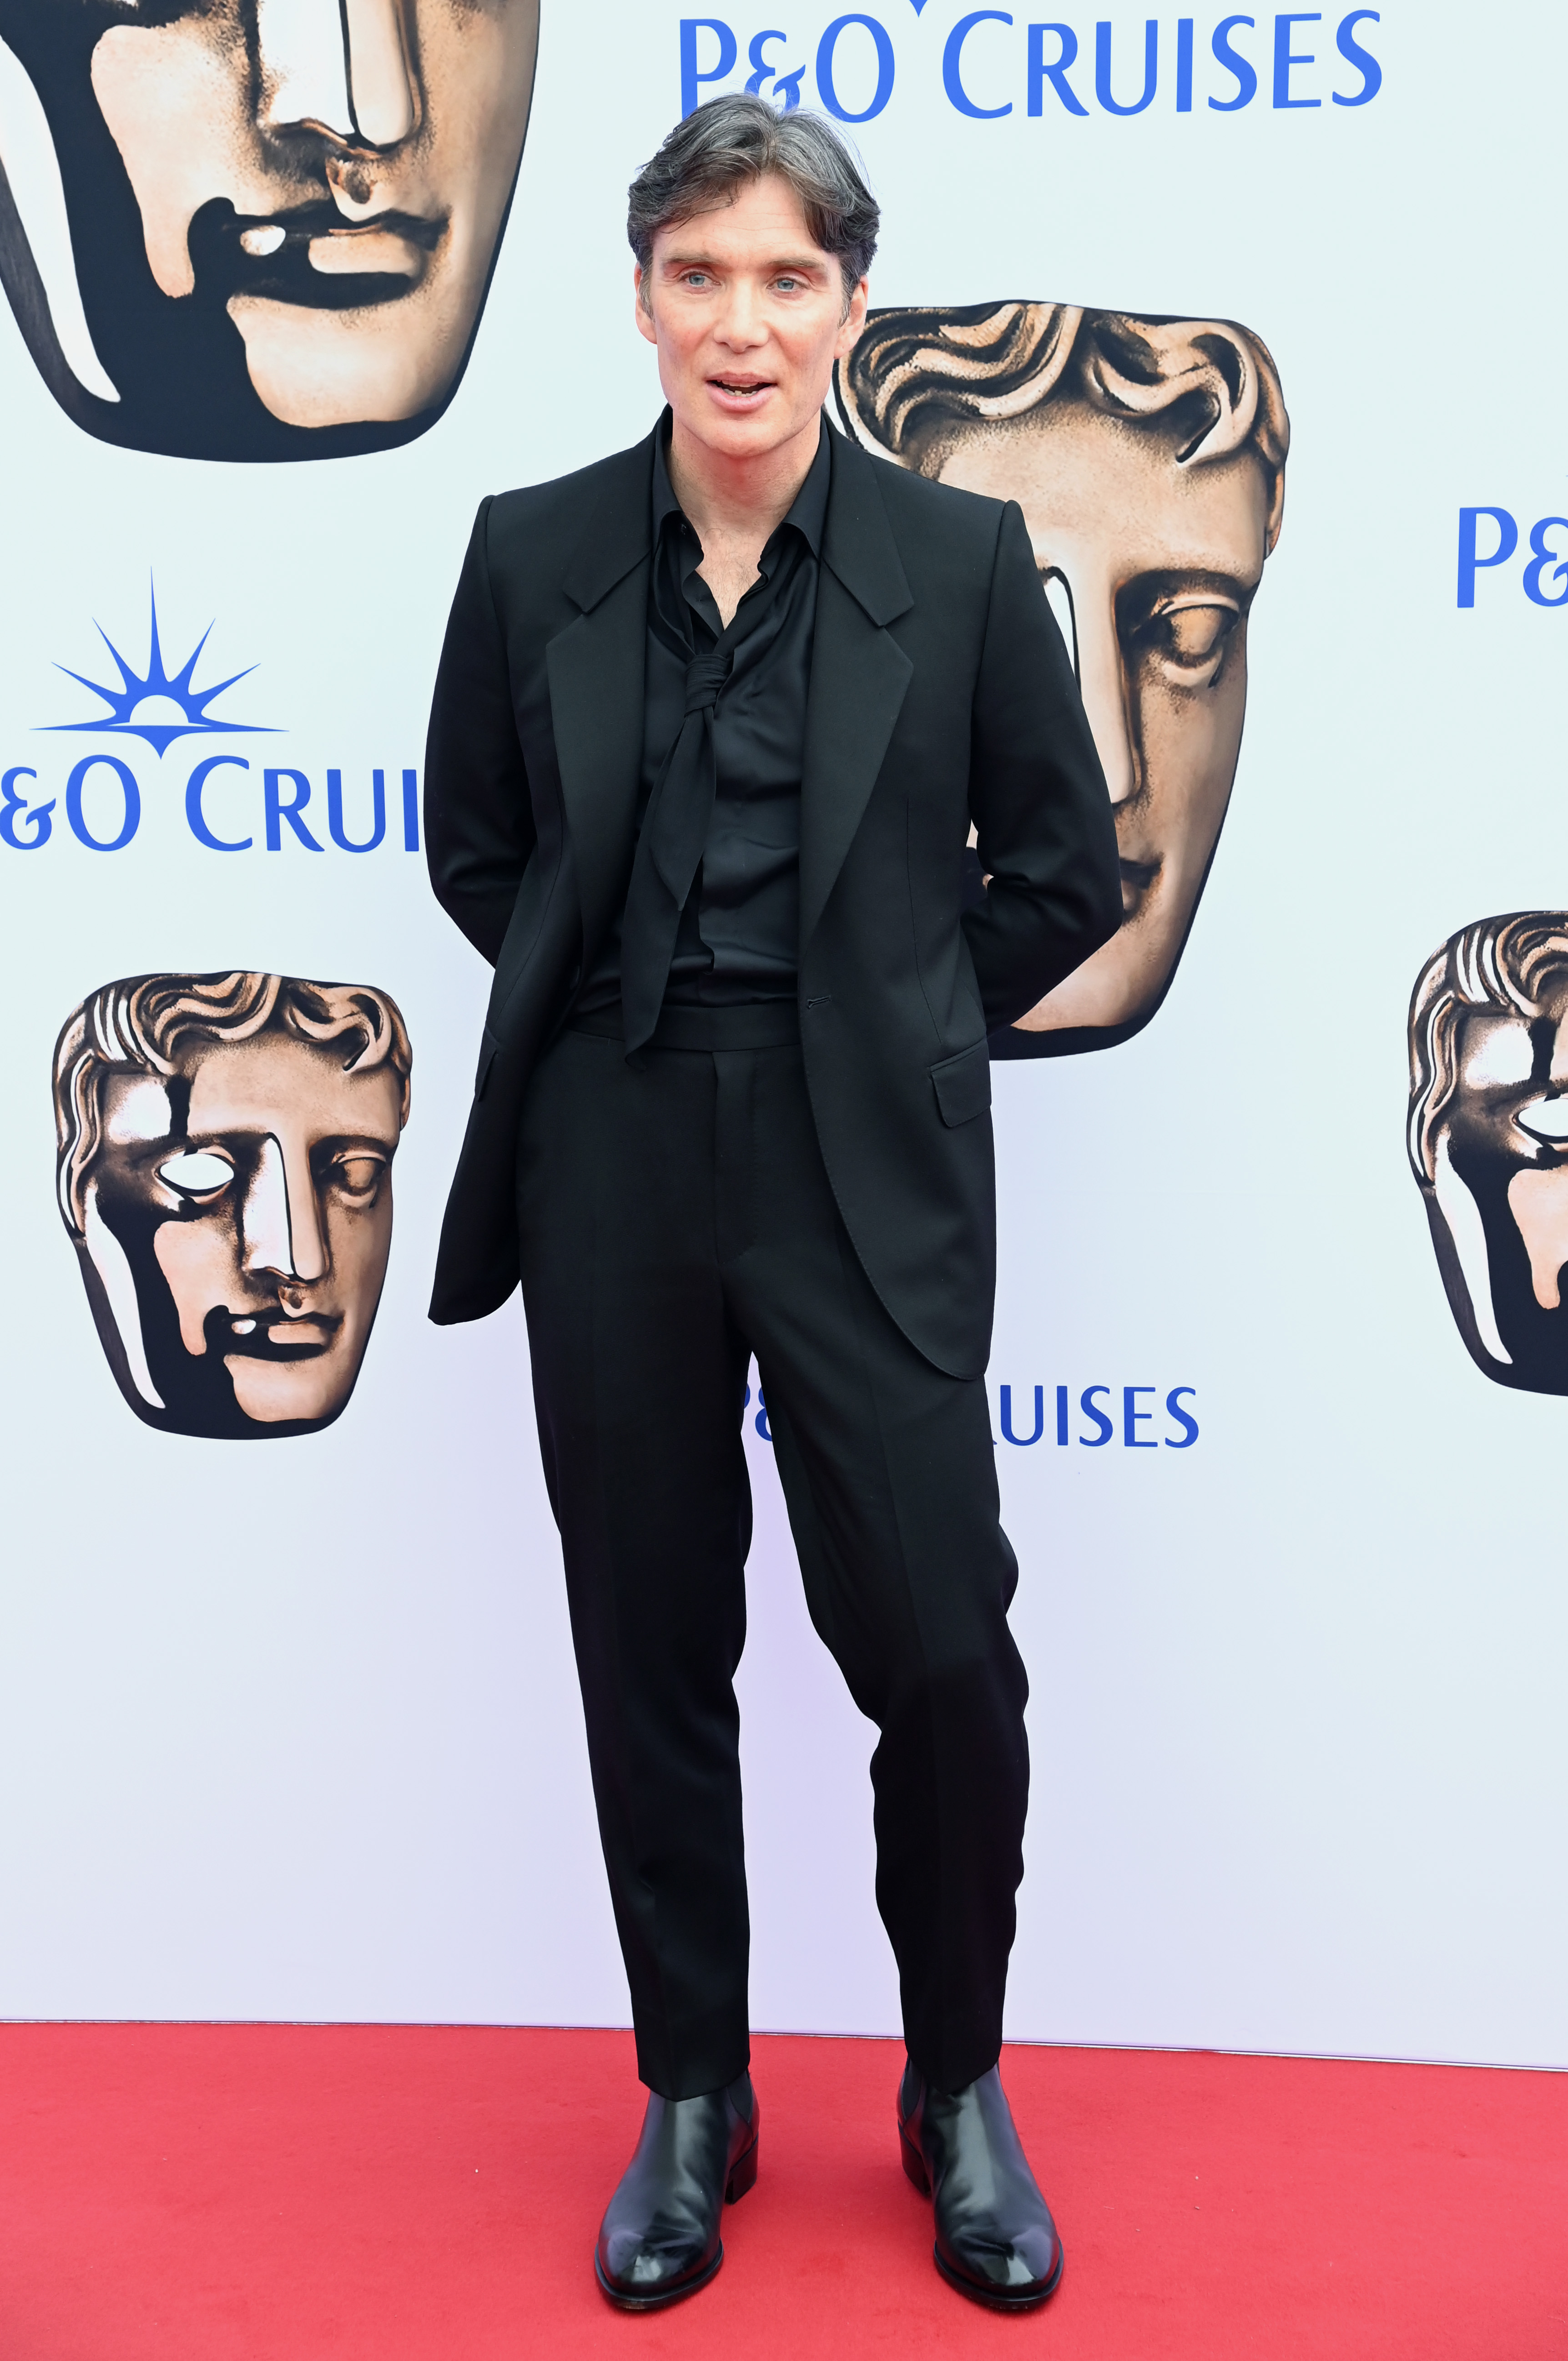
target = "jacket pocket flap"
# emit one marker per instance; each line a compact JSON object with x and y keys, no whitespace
{"x":488,"y":1047}
{"x":962,"y":1084}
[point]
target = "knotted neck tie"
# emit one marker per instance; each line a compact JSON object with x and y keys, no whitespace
{"x":669,"y":851}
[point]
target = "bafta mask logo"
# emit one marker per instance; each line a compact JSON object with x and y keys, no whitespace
{"x":1148,"y":458}
{"x":1488,"y":1138}
{"x":283,"y":214}
{"x":226,"y":1174}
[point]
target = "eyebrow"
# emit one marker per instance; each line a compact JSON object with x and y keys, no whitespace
{"x":706,"y":262}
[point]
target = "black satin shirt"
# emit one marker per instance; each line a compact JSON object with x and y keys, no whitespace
{"x":740,"y":931}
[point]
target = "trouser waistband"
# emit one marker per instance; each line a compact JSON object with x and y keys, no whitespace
{"x":748,"y":1025}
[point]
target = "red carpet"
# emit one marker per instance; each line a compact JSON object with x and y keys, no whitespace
{"x":286,"y":2193}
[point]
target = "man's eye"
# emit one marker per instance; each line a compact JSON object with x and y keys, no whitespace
{"x":197,"y":1173}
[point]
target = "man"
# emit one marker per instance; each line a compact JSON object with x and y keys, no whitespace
{"x":226,"y":1147}
{"x":284,"y":217}
{"x":712,"y":720}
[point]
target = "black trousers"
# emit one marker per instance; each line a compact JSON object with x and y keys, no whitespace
{"x":675,"y":1221}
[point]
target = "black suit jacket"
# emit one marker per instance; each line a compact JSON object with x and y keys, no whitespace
{"x":940,"y":691}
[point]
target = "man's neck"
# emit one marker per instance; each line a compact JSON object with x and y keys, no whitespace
{"x":734,"y":505}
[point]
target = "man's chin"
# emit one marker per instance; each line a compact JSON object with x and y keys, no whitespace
{"x":744,"y":433}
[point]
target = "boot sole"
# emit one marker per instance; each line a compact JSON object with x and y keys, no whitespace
{"x":996,"y":2300}
{"x":742,"y":2177}
{"x":661,"y":2297}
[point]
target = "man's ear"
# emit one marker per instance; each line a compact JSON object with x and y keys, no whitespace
{"x":852,"y":325}
{"x":643,"y":308}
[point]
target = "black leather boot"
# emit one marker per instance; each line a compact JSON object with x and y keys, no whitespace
{"x":996,"y":2238}
{"x":659,"y":2239}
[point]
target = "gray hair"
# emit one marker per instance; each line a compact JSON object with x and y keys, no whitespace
{"x":727,"y":142}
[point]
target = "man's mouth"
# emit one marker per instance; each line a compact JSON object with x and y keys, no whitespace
{"x":741,"y":388}
{"x":311,"y":255}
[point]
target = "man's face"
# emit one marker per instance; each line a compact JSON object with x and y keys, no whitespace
{"x":257,"y":1229}
{"x":333,"y":173}
{"x":1503,"y":1136}
{"x":1161,"y":562}
{"x":748,"y":316}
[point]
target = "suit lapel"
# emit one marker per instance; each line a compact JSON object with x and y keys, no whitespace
{"x":859,"y":675}
{"x":596,"y":670}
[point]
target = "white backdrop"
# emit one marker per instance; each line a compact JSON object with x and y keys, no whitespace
{"x":291,"y":1732}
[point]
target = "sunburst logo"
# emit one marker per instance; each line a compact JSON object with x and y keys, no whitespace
{"x":156,"y":705}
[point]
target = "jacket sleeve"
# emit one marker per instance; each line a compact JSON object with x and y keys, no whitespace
{"x":478,"y":821}
{"x":1037,"y":797}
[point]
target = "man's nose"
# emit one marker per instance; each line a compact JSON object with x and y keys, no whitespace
{"x":344,"y":69}
{"x":741,"y":324}
{"x":1103,"y":684}
{"x":282,"y":1228}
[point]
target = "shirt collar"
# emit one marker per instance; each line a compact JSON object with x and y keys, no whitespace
{"x":808,"y":514}
{"x":664,"y":501}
